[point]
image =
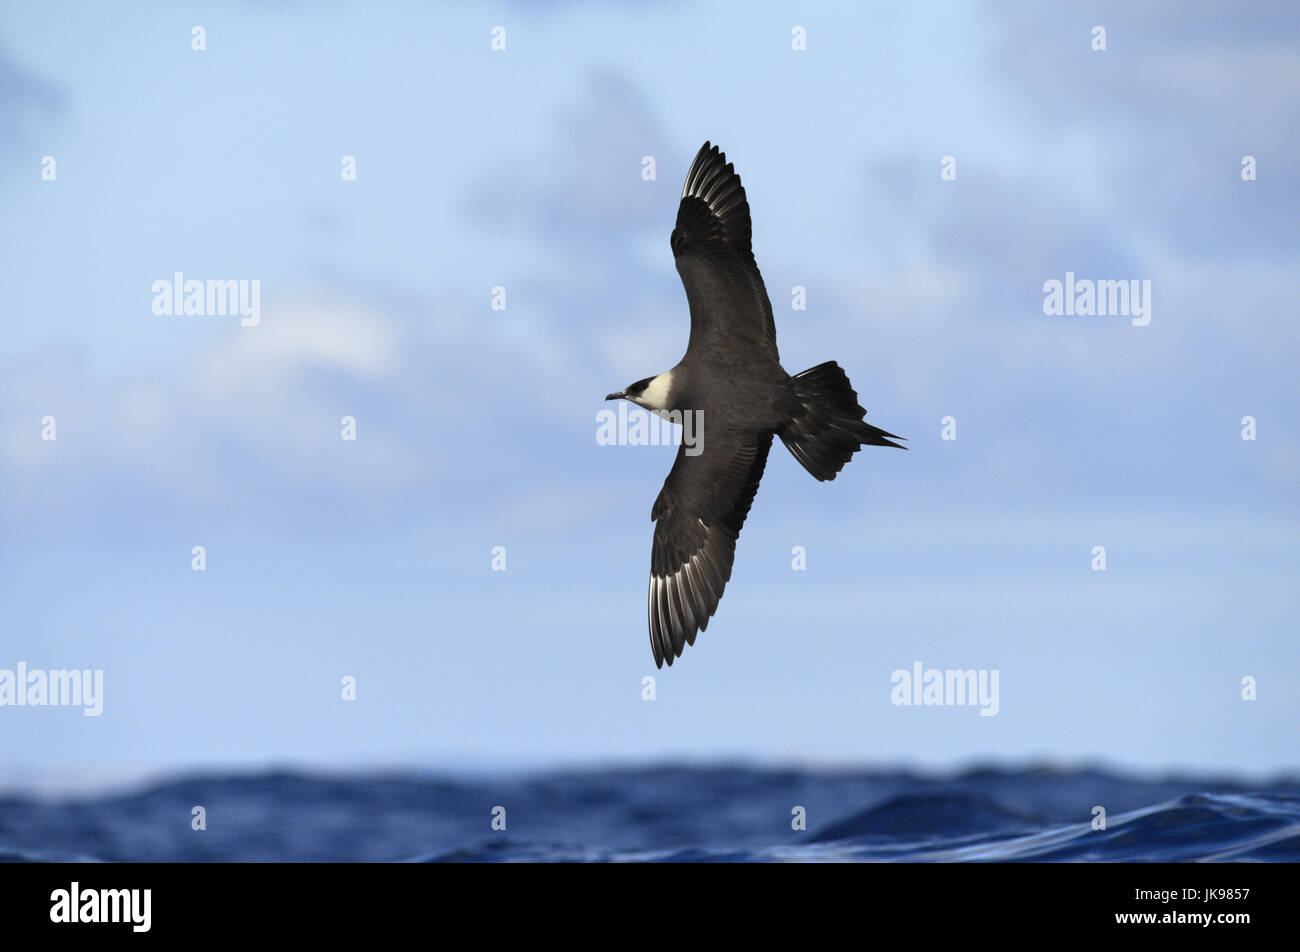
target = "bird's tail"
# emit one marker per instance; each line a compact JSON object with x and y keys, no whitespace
{"x":827,"y":427}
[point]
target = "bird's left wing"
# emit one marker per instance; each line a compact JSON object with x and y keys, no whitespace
{"x":711,"y":245}
{"x":698,"y":517}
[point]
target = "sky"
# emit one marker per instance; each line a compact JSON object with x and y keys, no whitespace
{"x":524,"y":169}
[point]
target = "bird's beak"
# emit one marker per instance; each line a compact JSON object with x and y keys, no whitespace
{"x":617,"y":396}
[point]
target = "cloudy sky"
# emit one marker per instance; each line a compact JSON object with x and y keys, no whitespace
{"x":522,"y":169}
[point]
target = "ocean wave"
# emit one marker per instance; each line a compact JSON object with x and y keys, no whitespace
{"x":667,"y":814}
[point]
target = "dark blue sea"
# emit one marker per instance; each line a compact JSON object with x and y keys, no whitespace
{"x":708,"y":814}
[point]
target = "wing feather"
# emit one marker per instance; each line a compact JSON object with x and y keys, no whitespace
{"x":698,"y":517}
{"x":712,"y":247}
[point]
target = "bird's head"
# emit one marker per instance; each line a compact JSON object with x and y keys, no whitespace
{"x":653,"y":393}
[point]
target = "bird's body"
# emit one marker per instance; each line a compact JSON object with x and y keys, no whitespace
{"x":732,"y":378}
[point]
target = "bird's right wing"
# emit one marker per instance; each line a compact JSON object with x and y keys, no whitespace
{"x":698,"y":517}
{"x":711,"y":246}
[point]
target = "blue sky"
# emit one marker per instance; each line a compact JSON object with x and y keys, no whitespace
{"x":476,"y":427}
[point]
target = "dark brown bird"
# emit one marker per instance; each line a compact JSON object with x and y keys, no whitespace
{"x":732,"y":379}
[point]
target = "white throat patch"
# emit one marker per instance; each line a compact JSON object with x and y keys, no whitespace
{"x":657,"y":392}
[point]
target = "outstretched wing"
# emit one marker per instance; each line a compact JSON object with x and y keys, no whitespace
{"x":698,"y":517}
{"x":711,"y":245}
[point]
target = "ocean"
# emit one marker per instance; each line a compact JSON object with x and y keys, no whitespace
{"x":667,"y":813}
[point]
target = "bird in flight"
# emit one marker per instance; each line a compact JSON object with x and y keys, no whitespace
{"x":731,"y":379}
